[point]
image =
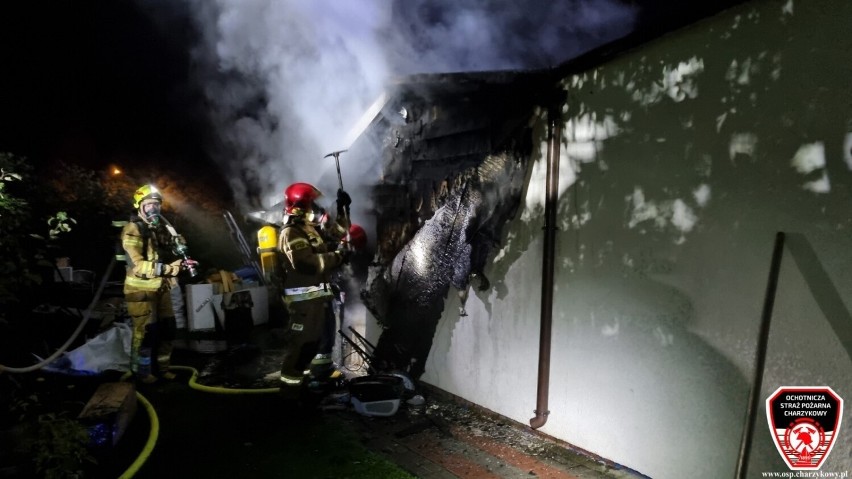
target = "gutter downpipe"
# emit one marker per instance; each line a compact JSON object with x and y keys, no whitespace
{"x":551,"y":196}
{"x":760,"y":353}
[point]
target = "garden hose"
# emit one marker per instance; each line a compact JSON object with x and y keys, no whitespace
{"x":152,"y":438}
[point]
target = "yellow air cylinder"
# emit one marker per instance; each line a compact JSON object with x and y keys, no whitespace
{"x":267,"y":241}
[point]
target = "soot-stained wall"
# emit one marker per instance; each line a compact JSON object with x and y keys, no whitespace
{"x":455,"y":155}
{"x":681,"y":160}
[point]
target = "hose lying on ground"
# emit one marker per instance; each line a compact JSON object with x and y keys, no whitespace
{"x":155,"y":422}
{"x":218,"y":389}
{"x":64,"y":347}
{"x":152,"y":439}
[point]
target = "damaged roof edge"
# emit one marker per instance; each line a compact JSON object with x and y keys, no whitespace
{"x":470,"y":77}
{"x":367,"y":120}
{"x":669,"y":21}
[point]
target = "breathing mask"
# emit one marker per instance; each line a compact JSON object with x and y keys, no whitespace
{"x":316,"y":215}
{"x":150,"y":212}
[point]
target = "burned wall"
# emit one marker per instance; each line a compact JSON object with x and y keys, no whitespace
{"x":453,"y":172}
{"x":681,"y":160}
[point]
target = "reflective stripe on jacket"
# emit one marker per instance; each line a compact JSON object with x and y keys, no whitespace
{"x":291,"y":380}
{"x":292,"y":295}
{"x":306,"y":260}
{"x":143,"y":271}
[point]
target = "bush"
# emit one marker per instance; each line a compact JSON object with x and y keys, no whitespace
{"x":21,"y":254}
{"x":48,"y":442}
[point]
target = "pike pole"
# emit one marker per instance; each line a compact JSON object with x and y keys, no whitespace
{"x":336,"y":155}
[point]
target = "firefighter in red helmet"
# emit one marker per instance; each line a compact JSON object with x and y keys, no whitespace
{"x":308,"y":262}
{"x":150,"y":244}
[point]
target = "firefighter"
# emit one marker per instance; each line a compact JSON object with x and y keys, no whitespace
{"x":308,"y":261}
{"x":150,"y":242}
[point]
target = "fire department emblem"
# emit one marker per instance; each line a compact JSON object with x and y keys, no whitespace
{"x":804,"y":421}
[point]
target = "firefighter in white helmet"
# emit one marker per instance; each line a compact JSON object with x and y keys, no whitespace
{"x":308,"y":261}
{"x":150,"y":242}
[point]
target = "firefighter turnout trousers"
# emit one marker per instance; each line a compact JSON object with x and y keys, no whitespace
{"x":154,"y":327}
{"x":308,"y":320}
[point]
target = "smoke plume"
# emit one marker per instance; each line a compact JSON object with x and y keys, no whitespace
{"x":471,"y":35}
{"x":284,"y":81}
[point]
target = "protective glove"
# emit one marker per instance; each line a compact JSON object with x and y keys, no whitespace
{"x":344,"y":252}
{"x":173,"y":268}
{"x":166,"y":270}
{"x":343,"y":202}
{"x":178,"y":265}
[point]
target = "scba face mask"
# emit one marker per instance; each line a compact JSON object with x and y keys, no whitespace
{"x":316,"y":215}
{"x":151,"y":212}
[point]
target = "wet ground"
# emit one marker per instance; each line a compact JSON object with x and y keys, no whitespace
{"x":444,"y":438}
{"x":449,"y":440}
{"x":208,"y":434}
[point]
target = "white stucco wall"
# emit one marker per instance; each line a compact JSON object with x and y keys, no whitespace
{"x":680,"y":162}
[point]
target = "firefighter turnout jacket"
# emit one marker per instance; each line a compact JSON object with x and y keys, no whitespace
{"x":146,"y":249}
{"x":308,"y":263}
{"x":147,"y":291}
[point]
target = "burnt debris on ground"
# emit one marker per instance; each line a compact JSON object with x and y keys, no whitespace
{"x":433,"y":436}
{"x":437,"y":430}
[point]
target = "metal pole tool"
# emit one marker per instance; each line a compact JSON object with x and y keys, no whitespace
{"x":336,"y":155}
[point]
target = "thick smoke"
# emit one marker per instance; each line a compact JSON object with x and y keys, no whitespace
{"x":285,"y":81}
{"x":471,"y":35}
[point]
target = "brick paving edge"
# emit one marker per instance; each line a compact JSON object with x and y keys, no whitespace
{"x":592,"y":461}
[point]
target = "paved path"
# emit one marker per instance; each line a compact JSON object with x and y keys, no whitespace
{"x":451,"y":441}
{"x":445,"y":439}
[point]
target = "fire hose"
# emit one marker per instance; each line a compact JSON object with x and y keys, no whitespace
{"x":152,"y":414}
{"x":64,"y":347}
{"x":155,"y":421}
{"x":152,"y":439}
{"x":219,"y":389}
{"x":180,"y":248}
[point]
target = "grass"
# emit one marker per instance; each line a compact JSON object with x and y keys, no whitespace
{"x":212,"y":435}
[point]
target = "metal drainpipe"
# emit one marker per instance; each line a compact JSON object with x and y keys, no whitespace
{"x":551,"y":197}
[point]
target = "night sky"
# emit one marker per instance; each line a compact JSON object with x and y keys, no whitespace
{"x":97,"y":82}
{"x":93,"y":81}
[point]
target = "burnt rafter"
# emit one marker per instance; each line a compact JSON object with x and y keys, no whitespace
{"x":454,"y":151}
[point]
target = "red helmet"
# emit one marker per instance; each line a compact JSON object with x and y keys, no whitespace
{"x":299,"y":198}
{"x":357,"y":237}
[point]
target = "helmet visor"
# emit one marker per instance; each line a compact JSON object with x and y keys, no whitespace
{"x":317,"y":214}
